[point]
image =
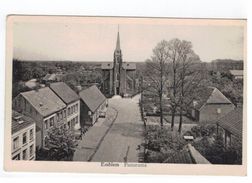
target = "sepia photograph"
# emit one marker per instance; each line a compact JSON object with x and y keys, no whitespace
{"x":132,"y":94}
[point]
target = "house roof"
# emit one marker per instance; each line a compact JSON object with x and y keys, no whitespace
{"x":232,"y":122}
{"x":236,"y":72}
{"x":64,"y":92}
{"x":44,"y":100}
{"x":129,"y":66}
{"x":16,"y":126}
{"x":211,"y":95}
{"x":31,"y":83}
{"x":92,"y":97}
{"x":189,"y":155}
{"x":49,"y":77}
{"x":107,"y":65}
{"x":181,"y":157}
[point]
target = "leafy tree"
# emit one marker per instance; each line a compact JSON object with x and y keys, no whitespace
{"x":61,"y":144}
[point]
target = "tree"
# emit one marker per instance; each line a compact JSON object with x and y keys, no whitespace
{"x":174,"y":54}
{"x":61,"y":143}
{"x":187,"y":77}
{"x":156,"y":73}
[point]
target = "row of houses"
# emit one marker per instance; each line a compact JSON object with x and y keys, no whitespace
{"x":35,"y":112}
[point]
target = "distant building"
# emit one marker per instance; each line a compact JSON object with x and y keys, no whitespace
{"x":72,"y":101}
{"x":210,"y":105}
{"x":50,"y":78}
{"x":118,"y":77}
{"x":23,"y":137}
{"x":230,"y":127}
{"x":226,"y":65}
{"x":32,"y":83}
{"x":93,"y":103}
{"x":45,"y":107}
{"x":238,"y":74}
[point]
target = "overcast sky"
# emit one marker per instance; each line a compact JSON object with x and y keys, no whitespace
{"x":87,"y":41}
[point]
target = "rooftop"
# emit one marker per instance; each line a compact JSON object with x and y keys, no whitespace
{"x":64,"y":92}
{"x":211,"y":95}
{"x":44,"y":100}
{"x":232,"y":122}
{"x":189,"y":155}
{"x":19,"y":122}
{"x":129,"y":66}
{"x":236,"y":72}
{"x":107,"y":65}
{"x":92,"y":97}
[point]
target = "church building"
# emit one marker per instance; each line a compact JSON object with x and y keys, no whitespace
{"x":118,"y":76}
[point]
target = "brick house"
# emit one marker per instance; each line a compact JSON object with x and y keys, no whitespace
{"x":230,"y":127}
{"x":45,"y":107}
{"x":209,"y":105}
{"x":93,"y":102}
{"x":72,"y":101}
{"x":23,"y":137}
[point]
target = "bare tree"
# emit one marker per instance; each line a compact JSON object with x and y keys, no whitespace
{"x":174,"y":54}
{"x":188,"y":78}
{"x":156,"y":73}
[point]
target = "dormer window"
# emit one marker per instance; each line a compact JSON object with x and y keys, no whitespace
{"x":18,"y":119}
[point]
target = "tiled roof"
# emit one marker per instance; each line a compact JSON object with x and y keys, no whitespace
{"x":44,"y":100}
{"x":107,"y":65}
{"x":26,"y":122}
{"x":211,"y":95}
{"x":129,"y":66}
{"x":236,"y":72}
{"x":181,"y":157}
{"x":64,"y":92}
{"x":92,"y":97}
{"x":189,"y":155}
{"x":232,"y":122}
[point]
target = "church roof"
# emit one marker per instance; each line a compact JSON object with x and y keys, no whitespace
{"x":129,"y":66}
{"x":107,"y":65}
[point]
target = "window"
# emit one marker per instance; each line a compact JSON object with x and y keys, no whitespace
{"x":24,"y":138}
{"x":46,"y":124}
{"x":17,"y":157}
{"x":76,"y":120}
{"x":15,"y":143}
{"x":61,"y":115}
{"x":31,"y":150}
{"x":31,"y":134}
{"x":51,"y":121}
{"x":58,"y":117}
{"x":218,"y":110}
{"x":76,"y":107}
{"x":64,"y":113}
{"x":69,"y":111}
{"x":25,"y":154}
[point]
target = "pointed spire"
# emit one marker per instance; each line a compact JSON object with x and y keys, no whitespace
{"x":118,"y":40}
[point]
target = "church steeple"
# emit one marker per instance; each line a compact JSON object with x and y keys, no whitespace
{"x":118,"y":40}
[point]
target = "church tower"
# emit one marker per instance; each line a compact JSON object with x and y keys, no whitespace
{"x":117,"y":70}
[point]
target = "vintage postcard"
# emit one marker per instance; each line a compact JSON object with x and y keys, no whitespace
{"x":125,"y":95}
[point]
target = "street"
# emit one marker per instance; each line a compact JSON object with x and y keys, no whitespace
{"x":117,"y":139}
